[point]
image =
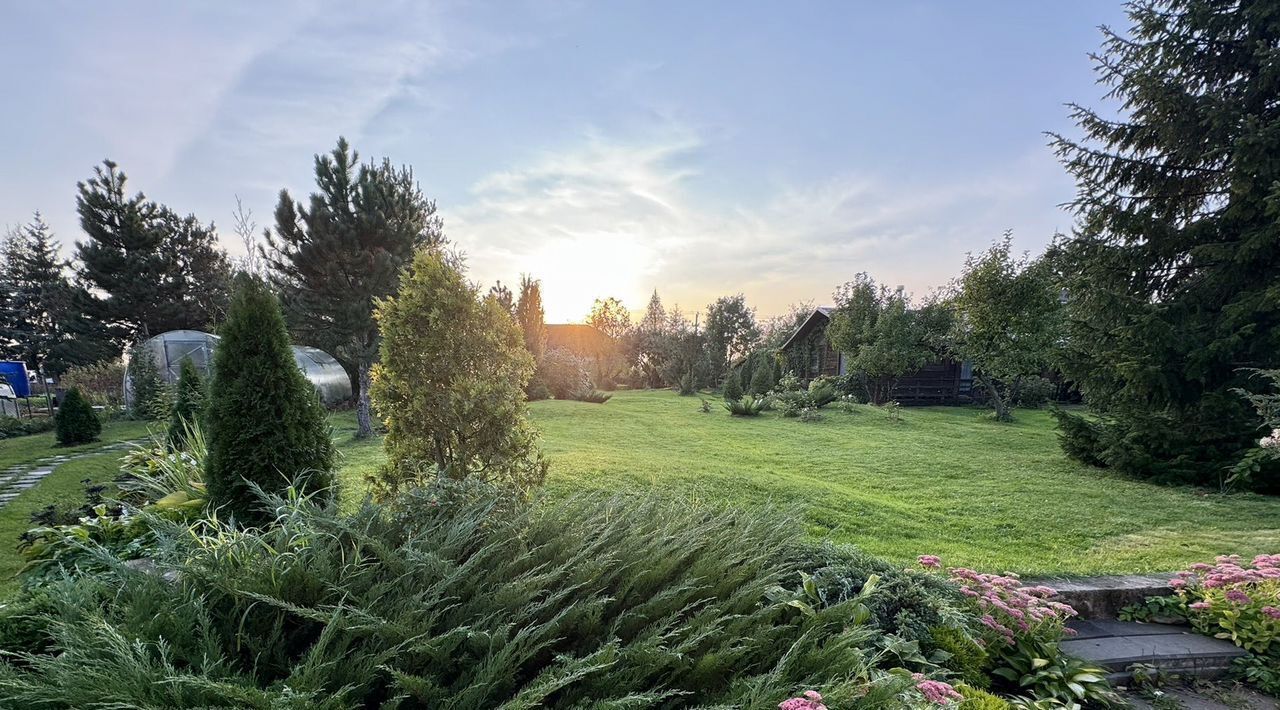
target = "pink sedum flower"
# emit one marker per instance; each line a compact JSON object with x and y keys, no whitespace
{"x":935,"y":691}
{"x":809,"y":700}
{"x":1237,"y":596}
{"x":1271,"y":611}
{"x":930,"y":561}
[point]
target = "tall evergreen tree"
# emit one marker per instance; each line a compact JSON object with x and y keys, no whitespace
{"x":264,"y":422}
{"x":1171,"y":271}
{"x":145,"y":270}
{"x":530,"y":316}
{"x":333,"y":259}
{"x":188,"y":403}
{"x":39,"y":288}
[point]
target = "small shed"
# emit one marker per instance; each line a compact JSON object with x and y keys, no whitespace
{"x":810,"y":354}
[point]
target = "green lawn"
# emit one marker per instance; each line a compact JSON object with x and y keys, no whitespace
{"x":942,"y":481}
{"x":63,"y":487}
{"x":946,"y":481}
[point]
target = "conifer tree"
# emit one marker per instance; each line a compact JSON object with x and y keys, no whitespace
{"x":76,"y":422}
{"x":450,"y":384}
{"x":145,"y":270}
{"x":733,"y":386}
{"x":1171,"y":271}
{"x":146,"y":387}
{"x":334,"y":258}
{"x":530,"y":316}
{"x":39,"y":288}
{"x":188,"y":403}
{"x":503,"y":296}
{"x":263,"y":422}
{"x":762,"y":380}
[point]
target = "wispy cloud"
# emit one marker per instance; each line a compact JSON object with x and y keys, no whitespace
{"x":622,"y":217}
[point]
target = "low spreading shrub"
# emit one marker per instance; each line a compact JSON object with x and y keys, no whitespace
{"x":451,"y":598}
{"x":1079,"y":437}
{"x":1235,"y":600}
{"x":592,"y":395}
{"x":76,"y":422}
{"x":11,"y":427}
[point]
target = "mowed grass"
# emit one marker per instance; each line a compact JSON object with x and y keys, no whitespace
{"x":945,"y":481}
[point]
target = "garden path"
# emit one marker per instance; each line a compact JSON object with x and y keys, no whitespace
{"x":20,"y":477}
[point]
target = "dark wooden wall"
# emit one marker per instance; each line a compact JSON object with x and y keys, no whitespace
{"x":943,"y":382}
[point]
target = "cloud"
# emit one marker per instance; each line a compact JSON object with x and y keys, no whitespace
{"x":616,"y":217}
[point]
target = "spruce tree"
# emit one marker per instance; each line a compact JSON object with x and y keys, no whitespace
{"x":333,"y":259}
{"x":188,"y":403}
{"x":144,"y":269}
{"x":76,"y":422}
{"x":39,"y":287}
{"x":1171,"y":271}
{"x":263,"y":422}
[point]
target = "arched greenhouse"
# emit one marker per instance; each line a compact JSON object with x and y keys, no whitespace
{"x":171,"y":348}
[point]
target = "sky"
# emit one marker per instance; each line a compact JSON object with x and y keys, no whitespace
{"x":608,"y":148}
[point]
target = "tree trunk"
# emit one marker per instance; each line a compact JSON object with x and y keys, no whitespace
{"x":364,"y":414}
{"x":1002,"y":408}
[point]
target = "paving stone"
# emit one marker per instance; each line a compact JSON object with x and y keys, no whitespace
{"x":1100,"y":628}
{"x":1103,"y":597}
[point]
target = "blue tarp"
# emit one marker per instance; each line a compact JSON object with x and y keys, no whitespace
{"x":15,"y":373}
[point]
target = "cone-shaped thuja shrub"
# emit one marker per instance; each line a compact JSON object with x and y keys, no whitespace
{"x":187,"y":404}
{"x":264,"y":423}
{"x":76,"y":421}
{"x":733,"y":386}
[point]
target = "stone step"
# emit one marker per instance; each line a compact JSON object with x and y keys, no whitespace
{"x":1104,"y":597}
{"x":1178,"y":650}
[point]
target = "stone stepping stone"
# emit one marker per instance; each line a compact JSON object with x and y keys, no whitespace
{"x":1118,"y":645}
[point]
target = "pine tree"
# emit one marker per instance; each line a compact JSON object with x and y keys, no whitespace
{"x":145,"y":270}
{"x":76,"y":422}
{"x":503,"y":296}
{"x":188,"y":403}
{"x":263,"y":422}
{"x":332,"y":260}
{"x":450,"y":384}
{"x":1171,"y":272}
{"x":530,"y":316}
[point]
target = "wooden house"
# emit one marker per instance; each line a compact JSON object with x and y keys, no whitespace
{"x":942,"y":382}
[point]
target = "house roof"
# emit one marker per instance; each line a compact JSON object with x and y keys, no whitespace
{"x":822,"y":312}
{"x":577,"y":337}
